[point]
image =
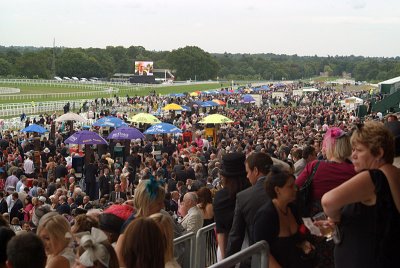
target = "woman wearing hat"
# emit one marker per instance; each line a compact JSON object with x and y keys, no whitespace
{"x":233,"y":177}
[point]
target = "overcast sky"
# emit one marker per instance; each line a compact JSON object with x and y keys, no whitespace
{"x":303,"y":27}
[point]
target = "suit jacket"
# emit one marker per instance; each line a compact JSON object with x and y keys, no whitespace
{"x":64,"y":209}
{"x":3,"y":206}
{"x":248,"y":202}
{"x":193,"y":221}
{"x":15,"y":210}
{"x":113,"y":195}
{"x":88,"y":206}
{"x":105,"y":184}
{"x":173,"y":205}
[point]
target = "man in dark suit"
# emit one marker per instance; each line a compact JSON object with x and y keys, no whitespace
{"x":105,"y":182}
{"x":61,"y":170}
{"x":248,"y":202}
{"x":179,"y":166}
{"x":63,"y":208}
{"x":134,"y":160}
{"x":91,"y":171}
{"x":172,"y":183}
{"x":16,"y":208}
{"x":117,"y":194}
{"x":3,"y":204}
{"x":72,"y":204}
{"x":86,"y":203}
{"x":173,"y":204}
{"x":189,"y":172}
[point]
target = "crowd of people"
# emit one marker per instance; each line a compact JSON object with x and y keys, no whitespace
{"x":245,"y":179}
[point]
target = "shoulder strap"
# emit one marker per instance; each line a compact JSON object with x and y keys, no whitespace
{"x":310,"y":178}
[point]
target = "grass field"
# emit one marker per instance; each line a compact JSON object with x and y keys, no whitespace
{"x":123,"y":91}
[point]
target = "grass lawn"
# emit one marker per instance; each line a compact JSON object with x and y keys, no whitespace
{"x":40,"y":89}
{"x":163,"y":90}
{"x":123,"y":91}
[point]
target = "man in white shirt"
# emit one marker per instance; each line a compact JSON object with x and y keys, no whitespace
{"x":9,"y":199}
{"x":29,"y":168}
{"x":21,"y":184}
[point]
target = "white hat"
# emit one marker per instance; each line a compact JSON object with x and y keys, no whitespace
{"x":46,"y":150}
{"x":42,"y":199}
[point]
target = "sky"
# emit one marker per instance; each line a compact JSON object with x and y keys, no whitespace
{"x":302,"y":27}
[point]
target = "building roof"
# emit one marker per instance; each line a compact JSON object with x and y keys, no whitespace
{"x":391,"y":81}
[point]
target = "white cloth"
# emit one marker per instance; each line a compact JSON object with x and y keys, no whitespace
{"x":193,"y":221}
{"x":68,"y":253}
{"x":28,"y":166}
{"x":94,"y":250}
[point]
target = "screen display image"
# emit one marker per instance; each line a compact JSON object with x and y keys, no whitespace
{"x":143,"y":68}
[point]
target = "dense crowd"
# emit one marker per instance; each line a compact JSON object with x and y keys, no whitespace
{"x":125,"y":212}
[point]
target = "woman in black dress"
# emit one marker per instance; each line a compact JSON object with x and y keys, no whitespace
{"x":366,"y":208}
{"x":205,"y":204}
{"x":277,"y":223}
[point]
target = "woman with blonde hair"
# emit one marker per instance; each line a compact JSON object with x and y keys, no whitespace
{"x":55,"y":232}
{"x":366,"y":208}
{"x":326,"y":175}
{"x":165,"y":224}
{"x":148,"y":199}
{"x":124,"y":182}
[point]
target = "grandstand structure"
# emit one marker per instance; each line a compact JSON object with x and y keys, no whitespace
{"x":390,"y":91}
{"x":159,"y":76}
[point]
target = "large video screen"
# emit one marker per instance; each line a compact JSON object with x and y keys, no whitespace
{"x":143,"y":68}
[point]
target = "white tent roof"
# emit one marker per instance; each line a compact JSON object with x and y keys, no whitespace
{"x":310,"y":89}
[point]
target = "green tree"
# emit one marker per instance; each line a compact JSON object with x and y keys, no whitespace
{"x":328,"y":69}
{"x":33,"y":65}
{"x":5,"y":67}
{"x":192,"y":62}
{"x":75,"y":62}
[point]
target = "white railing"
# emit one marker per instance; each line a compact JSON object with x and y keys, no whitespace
{"x":16,"y":109}
{"x":195,"y":253}
{"x":257,"y":252}
{"x":205,"y":246}
{"x":68,"y":95}
{"x":9,"y":90}
{"x":189,"y":253}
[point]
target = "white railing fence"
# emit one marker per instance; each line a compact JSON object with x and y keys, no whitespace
{"x":9,"y":90}
{"x":189,"y":245}
{"x":257,"y":252}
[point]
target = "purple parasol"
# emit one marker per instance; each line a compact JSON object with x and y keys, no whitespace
{"x":85,"y":137}
{"x":125,"y":133}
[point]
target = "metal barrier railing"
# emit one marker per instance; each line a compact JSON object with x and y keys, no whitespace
{"x":205,"y":243}
{"x":188,"y":255}
{"x":258,"y":252}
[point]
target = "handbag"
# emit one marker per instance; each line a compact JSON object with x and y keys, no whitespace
{"x":304,"y":195}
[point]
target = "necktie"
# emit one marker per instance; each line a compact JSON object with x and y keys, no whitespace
{"x":117,"y":197}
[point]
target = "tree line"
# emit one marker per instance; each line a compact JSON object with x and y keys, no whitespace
{"x":186,"y":63}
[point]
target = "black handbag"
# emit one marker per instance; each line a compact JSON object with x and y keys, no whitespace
{"x":304,"y":195}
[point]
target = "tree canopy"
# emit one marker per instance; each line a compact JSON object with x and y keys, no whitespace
{"x":189,"y":62}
